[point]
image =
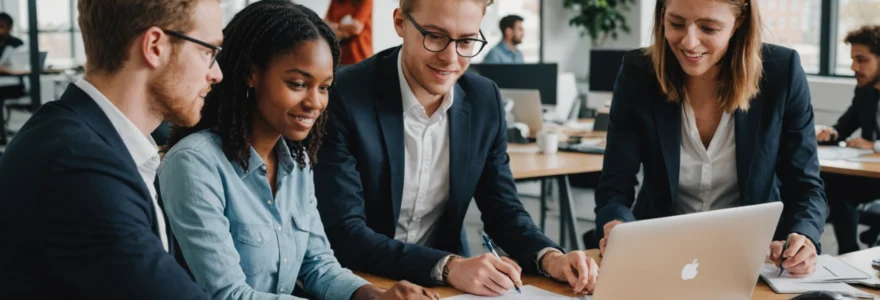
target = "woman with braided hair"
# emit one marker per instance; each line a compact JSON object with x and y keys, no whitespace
{"x":237,"y":187}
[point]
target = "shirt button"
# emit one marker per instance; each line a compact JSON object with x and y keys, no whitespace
{"x":259,"y":240}
{"x":263,"y":167}
{"x":282,"y":290}
{"x":278,"y":229}
{"x":269,"y":202}
{"x":285,"y":260}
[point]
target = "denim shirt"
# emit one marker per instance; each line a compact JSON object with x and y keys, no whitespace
{"x":239,"y":241}
{"x":502,"y":54}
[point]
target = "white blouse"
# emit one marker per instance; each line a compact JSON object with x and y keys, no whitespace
{"x":707,"y":177}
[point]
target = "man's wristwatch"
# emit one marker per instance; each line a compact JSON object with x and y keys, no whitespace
{"x":877,"y":146}
{"x":445,"y":274}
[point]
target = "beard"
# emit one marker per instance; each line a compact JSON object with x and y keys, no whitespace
{"x":871,"y":80}
{"x":516,"y":41}
{"x":170,"y":99}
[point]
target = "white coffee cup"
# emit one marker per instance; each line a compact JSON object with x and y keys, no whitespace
{"x":548,"y":142}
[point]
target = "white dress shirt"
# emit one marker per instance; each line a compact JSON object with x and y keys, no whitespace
{"x":707,"y":177}
{"x":426,"y":167}
{"x":142,"y":147}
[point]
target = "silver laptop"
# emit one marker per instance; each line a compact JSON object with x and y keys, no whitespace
{"x":711,"y":255}
{"x":526,"y":107}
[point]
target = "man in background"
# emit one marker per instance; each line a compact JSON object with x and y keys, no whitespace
{"x":7,"y":41}
{"x":352,"y":21}
{"x":10,"y":88}
{"x":846,"y":192}
{"x":506,"y":52}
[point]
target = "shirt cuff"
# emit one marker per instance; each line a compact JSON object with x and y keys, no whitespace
{"x":344,"y":286}
{"x":437,"y":273}
{"x":541,"y":256}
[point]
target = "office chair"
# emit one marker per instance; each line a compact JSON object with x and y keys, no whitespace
{"x":9,"y":92}
{"x":869,"y":214}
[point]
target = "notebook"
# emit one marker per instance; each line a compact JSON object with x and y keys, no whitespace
{"x":831,"y":275}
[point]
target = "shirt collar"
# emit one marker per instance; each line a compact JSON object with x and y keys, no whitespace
{"x":407,"y":95}
{"x":285,"y":160}
{"x":141,"y":147}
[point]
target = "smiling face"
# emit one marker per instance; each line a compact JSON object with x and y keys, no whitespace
{"x":292,"y":91}
{"x":436,"y":72}
{"x":698,"y":32}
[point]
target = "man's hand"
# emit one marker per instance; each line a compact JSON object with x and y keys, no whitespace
{"x":403,"y":290}
{"x":860,"y":143}
{"x":607,"y":230}
{"x":576,"y":268}
{"x":826,"y":134}
{"x":484,"y":275}
{"x":800,"y":256}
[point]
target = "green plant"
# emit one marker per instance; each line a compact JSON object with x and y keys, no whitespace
{"x":600,"y":18}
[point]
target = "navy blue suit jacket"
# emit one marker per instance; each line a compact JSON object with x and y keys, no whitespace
{"x":77,"y":220}
{"x":359,"y":176}
{"x":776,"y":156}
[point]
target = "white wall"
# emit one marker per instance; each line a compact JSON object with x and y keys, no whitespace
{"x":831,"y":97}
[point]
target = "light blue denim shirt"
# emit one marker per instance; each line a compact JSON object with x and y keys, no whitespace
{"x":239,"y":241}
{"x":502,"y":54}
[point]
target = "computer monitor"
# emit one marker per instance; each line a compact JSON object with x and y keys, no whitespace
{"x":604,"y":65}
{"x":541,"y":77}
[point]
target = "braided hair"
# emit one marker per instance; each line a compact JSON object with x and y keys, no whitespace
{"x":257,"y":34}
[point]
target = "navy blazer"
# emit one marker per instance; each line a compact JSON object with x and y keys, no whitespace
{"x":77,"y":220}
{"x":861,"y":114}
{"x":776,"y":155}
{"x":359,"y":176}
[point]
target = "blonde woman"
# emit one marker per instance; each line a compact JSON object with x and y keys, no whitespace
{"x":717,"y":119}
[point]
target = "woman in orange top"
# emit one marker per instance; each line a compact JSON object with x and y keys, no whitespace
{"x":352,"y":21}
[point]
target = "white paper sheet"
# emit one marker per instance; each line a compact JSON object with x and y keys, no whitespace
{"x":841,"y":153}
{"x":529,"y":292}
{"x":829,"y":276}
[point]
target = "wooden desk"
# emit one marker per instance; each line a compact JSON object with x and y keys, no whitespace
{"x":852,"y":168}
{"x":527,"y":163}
{"x":861,"y":259}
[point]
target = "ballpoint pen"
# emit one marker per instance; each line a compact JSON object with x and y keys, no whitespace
{"x":782,"y":255}
{"x":491,"y":246}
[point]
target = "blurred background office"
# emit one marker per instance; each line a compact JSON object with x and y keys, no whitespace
{"x":572,"y":70}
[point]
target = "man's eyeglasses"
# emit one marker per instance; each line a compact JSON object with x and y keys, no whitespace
{"x":214,"y":49}
{"x":437,"y":42}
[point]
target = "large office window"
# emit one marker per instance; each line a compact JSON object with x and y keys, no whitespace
{"x":817,"y":28}
{"x":852,"y":15}
{"x":57,"y":29}
{"x":793,"y":23}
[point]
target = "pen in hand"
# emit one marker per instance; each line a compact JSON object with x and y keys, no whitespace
{"x":491,"y":246}
{"x":782,"y":255}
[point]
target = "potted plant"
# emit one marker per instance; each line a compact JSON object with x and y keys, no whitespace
{"x":600,"y":18}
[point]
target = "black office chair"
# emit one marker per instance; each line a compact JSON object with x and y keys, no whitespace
{"x":869,"y":214}
{"x":10,"y":92}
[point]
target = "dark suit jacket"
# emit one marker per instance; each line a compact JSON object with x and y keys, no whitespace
{"x":861,"y":114}
{"x":77,"y":219}
{"x":776,"y":154}
{"x":359,"y":176}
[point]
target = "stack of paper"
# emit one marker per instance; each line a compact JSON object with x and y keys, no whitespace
{"x":831,"y":275}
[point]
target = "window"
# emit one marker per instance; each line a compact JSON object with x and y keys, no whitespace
{"x":530,"y":10}
{"x":852,"y":15}
{"x":805,"y":39}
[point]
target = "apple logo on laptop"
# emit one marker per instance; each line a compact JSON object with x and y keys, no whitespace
{"x":690,"y":270}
